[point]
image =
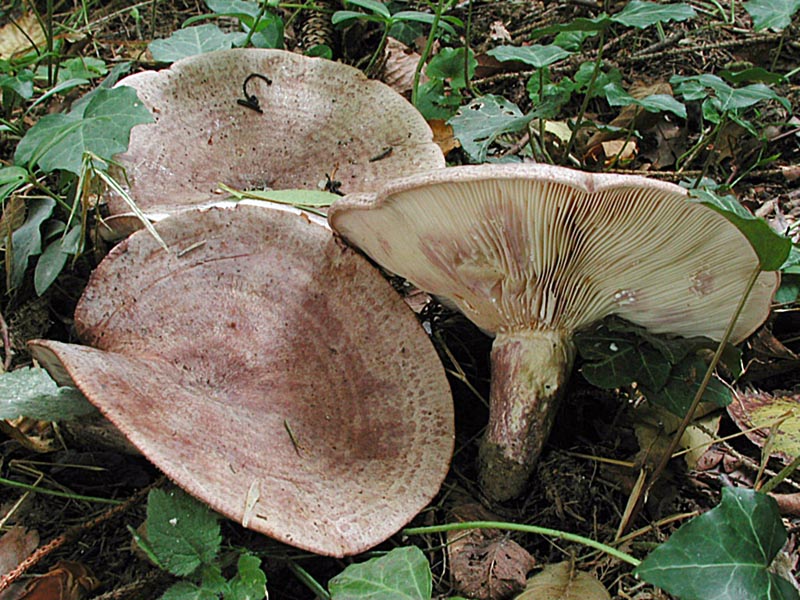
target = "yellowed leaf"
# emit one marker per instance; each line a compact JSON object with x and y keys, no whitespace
{"x":562,"y":581}
{"x":16,"y":36}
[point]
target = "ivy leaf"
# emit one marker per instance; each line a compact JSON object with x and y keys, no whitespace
{"x":402,"y":574}
{"x":723,"y":554}
{"x":480,"y":122}
{"x":30,"y":392}
{"x":537,"y":56}
{"x":640,"y":14}
{"x":11,"y":179}
{"x":772,"y":248}
{"x":26,"y":240}
{"x":102,"y":126}
{"x":183,"y":532}
{"x":617,"y":362}
{"x":449,"y":64}
{"x":772,"y":14}
{"x":654,"y":103}
{"x":191,"y":41}
{"x":680,"y":389}
{"x":53,"y":259}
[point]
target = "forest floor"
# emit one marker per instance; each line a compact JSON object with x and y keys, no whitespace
{"x":589,"y":468}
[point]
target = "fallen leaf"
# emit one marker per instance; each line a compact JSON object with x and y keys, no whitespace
{"x":443,"y":135}
{"x":399,"y":67}
{"x":562,"y":581}
{"x":16,"y":36}
{"x":484,"y":563}
{"x":619,"y":152}
{"x":762,"y":411}
{"x":788,"y":504}
{"x":15,"y":546}
{"x":67,"y":580}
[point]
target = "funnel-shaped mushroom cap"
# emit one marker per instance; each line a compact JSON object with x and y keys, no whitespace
{"x":542,"y":246}
{"x":268,"y":370}
{"x":319,"y":117}
{"x":534,"y":253}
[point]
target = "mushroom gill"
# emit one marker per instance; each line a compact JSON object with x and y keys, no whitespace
{"x":533,"y":253}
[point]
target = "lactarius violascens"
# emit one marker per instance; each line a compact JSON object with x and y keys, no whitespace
{"x":533,"y":253}
{"x":301,"y":122}
{"x":270,"y":371}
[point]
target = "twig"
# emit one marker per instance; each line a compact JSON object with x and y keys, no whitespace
{"x":72,"y":534}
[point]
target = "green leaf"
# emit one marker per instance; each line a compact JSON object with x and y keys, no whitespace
{"x":420,"y":17}
{"x":53,"y":259}
{"x":641,"y":14}
{"x":21,"y":83}
{"x":185,"y":590}
{"x":183,"y":532}
{"x":191,"y":41}
{"x":449,"y":64}
{"x":684,"y":380}
{"x":772,"y":248}
{"x":26,"y":240}
{"x":723,"y":554}
{"x":102,"y":127}
{"x":617,"y":362}
{"x":402,"y":574}
{"x":11,"y":179}
{"x":537,"y":56}
{"x":234,"y":8}
{"x":654,"y":103}
{"x":300,"y":198}
{"x":30,"y":392}
{"x":598,"y":23}
{"x":375,"y":7}
{"x":82,"y":67}
{"x":772,"y":14}
{"x":250,"y":582}
{"x":478,"y":124}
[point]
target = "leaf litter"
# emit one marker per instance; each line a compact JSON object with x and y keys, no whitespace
{"x":572,"y":493}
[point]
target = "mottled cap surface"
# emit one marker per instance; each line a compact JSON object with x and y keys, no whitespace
{"x":530,"y":246}
{"x":268,"y":370}
{"x":319,"y":119}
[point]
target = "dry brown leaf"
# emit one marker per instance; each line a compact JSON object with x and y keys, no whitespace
{"x":484,"y":563}
{"x":619,"y":152}
{"x":401,"y":63}
{"x":788,"y":504}
{"x":15,"y":546}
{"x":562,"y":581}
{"x":67,"y":580}
{"x":443,"y":135}
{"x":16,"y":36}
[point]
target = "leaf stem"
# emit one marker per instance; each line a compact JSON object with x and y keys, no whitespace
{"x":534,"y":529}
{"x":39,"y":490}
{"x":427,"y":51}
{"x":598,"y":61}
{"x":308,"y":580}
{"x":687,"y":419}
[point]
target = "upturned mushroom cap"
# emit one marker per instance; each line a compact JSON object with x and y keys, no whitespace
{"x":319,"y":118}
{"x":533,"y":253}
{"x":268,"y":370}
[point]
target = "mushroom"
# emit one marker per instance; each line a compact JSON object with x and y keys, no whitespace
{"x":255,"y":118}
{"x":533,"y":253}
{"x":268,"y":370}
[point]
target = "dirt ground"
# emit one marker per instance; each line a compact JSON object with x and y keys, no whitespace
{"x":581,"y":484}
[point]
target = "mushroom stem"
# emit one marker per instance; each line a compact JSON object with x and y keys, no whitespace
{"x":529,"y":370}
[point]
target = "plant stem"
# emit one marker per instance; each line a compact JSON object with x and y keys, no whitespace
{"x":306,"y":579}
{"x":783,"y":474}
{"x":423,"y":59}
{"x":262,"y":9}
{"x":534,"y":529}
{"x":667,"y":455}
{"x":38,"y":490}
{"x":585,"y":103}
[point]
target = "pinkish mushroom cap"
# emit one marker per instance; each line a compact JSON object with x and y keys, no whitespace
{"x":533,"y":253}
{"x":268,"y":370}
{"x":320,"y":118}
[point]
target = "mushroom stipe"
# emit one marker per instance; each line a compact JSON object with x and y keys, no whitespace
{"x":533,"y":253}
